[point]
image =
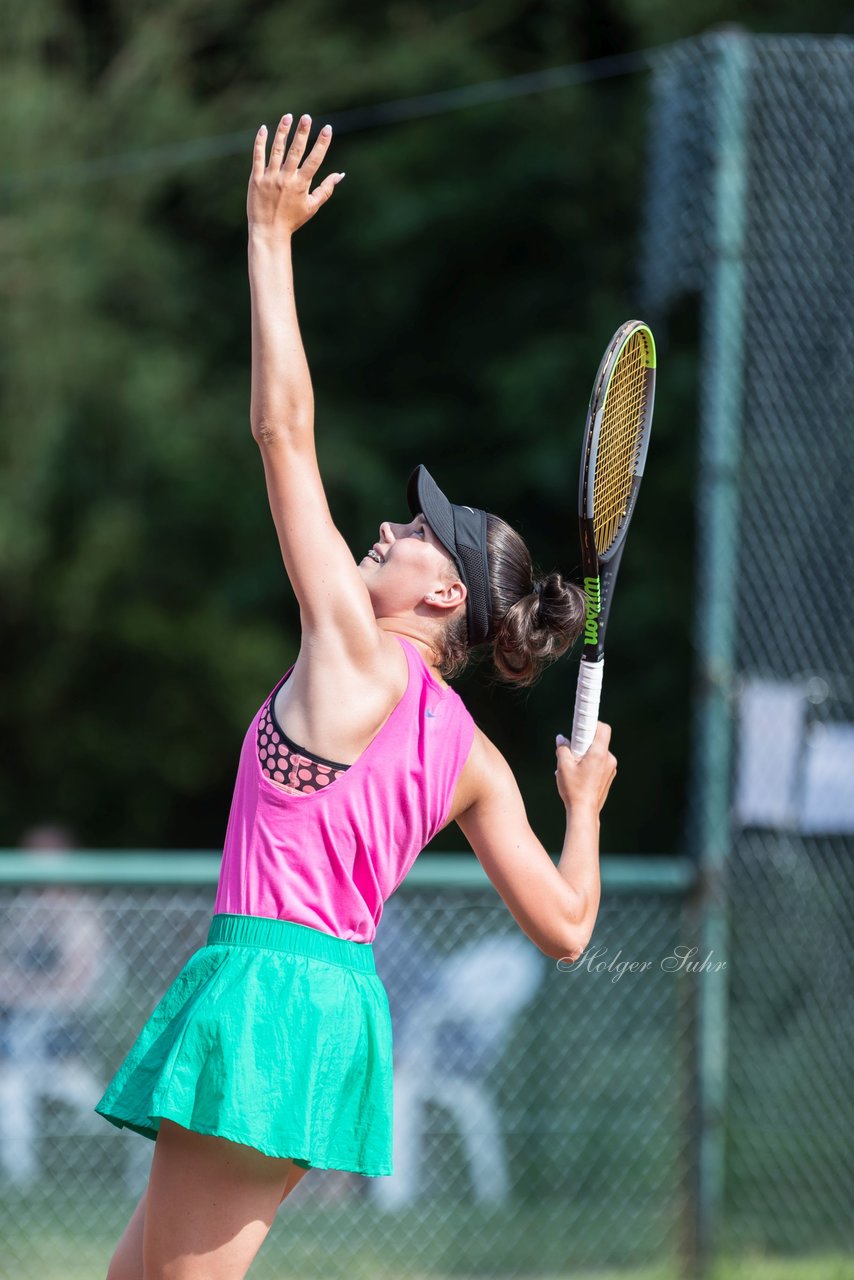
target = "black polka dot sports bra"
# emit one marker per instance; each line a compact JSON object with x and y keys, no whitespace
{"x":291,"y":767}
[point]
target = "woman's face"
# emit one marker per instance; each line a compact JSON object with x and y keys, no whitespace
{"x":407,"y":563}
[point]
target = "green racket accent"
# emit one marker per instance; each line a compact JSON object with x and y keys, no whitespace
{"x":592,"y":591}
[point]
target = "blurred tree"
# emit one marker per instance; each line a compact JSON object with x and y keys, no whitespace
{"x":454,"y":300}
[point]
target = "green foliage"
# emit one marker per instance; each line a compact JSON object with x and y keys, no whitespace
{"x":454,"y":299}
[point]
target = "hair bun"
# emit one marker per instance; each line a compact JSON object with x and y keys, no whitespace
{"x":538,"y":589}
{"x":534,"y":620}
{"x":538,"y":628}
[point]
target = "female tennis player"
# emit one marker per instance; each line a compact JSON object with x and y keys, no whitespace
{"x":271,"y":1052}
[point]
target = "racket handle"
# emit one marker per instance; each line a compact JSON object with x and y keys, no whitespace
{"x":587,"y":695}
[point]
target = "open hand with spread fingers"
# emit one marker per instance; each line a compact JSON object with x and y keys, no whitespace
{"x":279,"y":199}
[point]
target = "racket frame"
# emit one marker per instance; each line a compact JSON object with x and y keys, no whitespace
{"x":599,"y":571}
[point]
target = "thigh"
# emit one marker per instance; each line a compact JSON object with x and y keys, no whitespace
{"x":295,"y":1175}
{"x":209,"y":1205}
{"x":126,"y":1262}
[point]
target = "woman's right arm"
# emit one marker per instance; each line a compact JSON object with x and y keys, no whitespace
{"x":334,"y":602}
{"x":555,"y":905}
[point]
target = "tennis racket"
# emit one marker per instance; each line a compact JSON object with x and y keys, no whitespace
{"x":616,"y":439}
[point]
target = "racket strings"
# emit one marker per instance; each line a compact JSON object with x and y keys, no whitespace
{"x":620,"y":439}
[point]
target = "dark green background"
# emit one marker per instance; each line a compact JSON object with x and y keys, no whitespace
{"x":454,"y":298}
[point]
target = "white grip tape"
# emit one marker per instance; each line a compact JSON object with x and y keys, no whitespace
{"x":587,"y":695}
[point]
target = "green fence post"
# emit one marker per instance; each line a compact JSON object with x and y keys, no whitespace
{"x":723,"y":338}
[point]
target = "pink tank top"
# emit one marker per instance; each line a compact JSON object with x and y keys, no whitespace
{"x":330,"y":858}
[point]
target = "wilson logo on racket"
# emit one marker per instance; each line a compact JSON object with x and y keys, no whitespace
{"x":594,"y":605}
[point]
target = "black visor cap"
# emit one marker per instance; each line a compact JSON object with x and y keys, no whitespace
{"x":462,"y":532}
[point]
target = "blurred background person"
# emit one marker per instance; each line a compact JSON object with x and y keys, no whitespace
{"x":51,"y":959}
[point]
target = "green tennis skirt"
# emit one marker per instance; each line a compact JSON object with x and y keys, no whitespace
{"x":275,"y":1035}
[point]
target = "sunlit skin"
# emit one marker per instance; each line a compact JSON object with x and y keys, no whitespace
{"x":414,"y":588}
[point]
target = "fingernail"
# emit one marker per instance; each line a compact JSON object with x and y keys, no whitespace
{"x":287,"y":116}
{"x":263,"y":129}
{"x":327,"y":128}
{"x":561,"y":740}
{"x":338,"y":177}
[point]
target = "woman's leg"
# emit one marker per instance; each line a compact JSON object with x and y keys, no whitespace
{"x":210,"y":1205}
{"x":296,"y":1174}
{"x":127,"y":1261}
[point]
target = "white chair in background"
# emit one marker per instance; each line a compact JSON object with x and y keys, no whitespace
{"x":454,"y":1034}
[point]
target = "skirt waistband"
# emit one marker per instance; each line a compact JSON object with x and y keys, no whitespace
{"x":287,"y":935}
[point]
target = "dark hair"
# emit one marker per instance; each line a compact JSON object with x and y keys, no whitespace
{"x":533,"y":621}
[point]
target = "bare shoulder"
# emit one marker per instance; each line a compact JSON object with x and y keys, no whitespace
{"x":484,"y":773}
{"x":379,"y":660}
{"x":336,"y":700}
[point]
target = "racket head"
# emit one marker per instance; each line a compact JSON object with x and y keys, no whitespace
{"x":616,"y":440}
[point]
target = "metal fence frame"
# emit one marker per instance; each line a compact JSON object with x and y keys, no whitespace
{"x":619,"y":873}
{"x":737,"y":212}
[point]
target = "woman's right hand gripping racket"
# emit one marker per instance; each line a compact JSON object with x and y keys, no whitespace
{"x":615,"y":443}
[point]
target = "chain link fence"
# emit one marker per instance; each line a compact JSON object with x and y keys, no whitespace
{"x":751,"y":207}
{"x":541,"y":1115}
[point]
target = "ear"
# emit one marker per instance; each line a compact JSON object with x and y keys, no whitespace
{"x":448,"y":596}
